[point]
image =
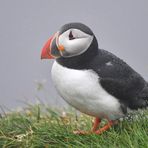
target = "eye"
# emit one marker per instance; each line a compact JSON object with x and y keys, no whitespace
{"x":71,"y":37}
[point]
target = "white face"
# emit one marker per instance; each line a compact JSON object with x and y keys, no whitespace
{"x":75,"y":42}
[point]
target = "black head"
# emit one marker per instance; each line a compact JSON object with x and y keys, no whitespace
{"x":73,"y":41}
{"x":76,"y":25}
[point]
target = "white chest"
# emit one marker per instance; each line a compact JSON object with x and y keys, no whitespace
{"x":81,"y":89}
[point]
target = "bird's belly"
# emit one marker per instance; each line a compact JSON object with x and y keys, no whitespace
{"x":82,"y":90}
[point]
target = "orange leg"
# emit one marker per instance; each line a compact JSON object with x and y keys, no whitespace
{"x":95,"y":125}
{"x":106,"y":127}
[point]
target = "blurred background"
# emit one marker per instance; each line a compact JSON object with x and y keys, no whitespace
{"x":121,"y":27}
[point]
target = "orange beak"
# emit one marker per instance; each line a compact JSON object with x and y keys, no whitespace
{"x":46,"y":50}
{"x":45,"y":54}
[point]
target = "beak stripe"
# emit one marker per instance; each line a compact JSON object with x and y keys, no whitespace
{"x":60,"y":47}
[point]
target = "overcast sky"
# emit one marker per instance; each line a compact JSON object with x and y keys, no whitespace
{"x":121,"y":27}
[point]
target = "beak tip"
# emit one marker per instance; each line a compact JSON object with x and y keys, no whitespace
{"x":45,"y":54}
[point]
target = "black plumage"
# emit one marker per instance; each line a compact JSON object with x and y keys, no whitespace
{"x":115,"y":76}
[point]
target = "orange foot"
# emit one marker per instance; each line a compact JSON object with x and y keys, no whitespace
{"x":95,"y":125}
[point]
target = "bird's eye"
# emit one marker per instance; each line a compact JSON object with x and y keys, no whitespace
{"x":71,"y":37}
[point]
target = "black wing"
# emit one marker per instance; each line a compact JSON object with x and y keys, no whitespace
{"x":120,"y":80}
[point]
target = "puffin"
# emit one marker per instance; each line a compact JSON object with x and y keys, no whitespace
{"x":93,"y":80}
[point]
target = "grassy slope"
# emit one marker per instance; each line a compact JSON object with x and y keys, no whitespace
{"x":35,"y":128}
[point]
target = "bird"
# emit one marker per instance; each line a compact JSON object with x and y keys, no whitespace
{"x":93,"y":80}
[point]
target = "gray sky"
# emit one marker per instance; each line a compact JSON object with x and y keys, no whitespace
{"x":120,"y":26}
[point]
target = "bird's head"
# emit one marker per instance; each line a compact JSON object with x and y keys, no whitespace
{"x":71,"y":40}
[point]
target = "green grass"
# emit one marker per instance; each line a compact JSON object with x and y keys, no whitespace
{"x":39,"y":126}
